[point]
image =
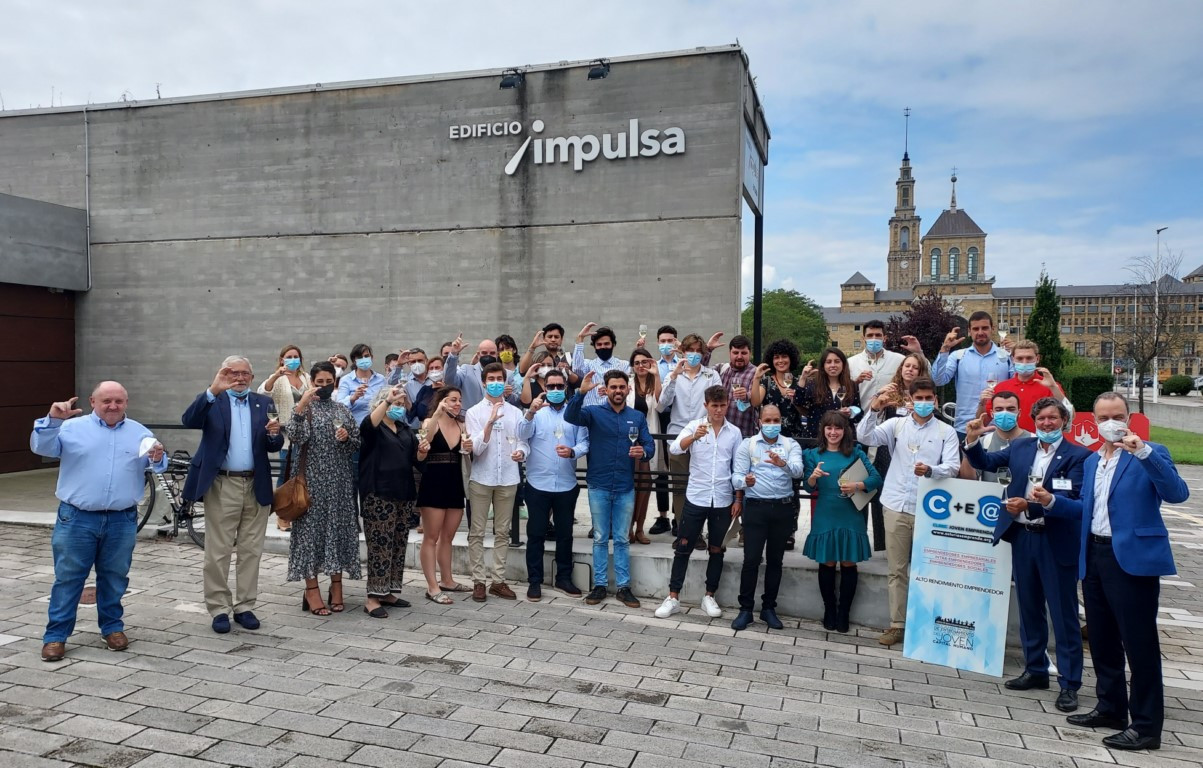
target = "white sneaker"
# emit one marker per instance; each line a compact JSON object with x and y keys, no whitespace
{"x":710,"y":606}
{"x":670,"y":606}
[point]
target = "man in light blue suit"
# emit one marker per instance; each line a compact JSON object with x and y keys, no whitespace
{"x":1125,"y":551}
{"x":1044,"y":544}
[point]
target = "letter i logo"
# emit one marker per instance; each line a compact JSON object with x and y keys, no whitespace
{"x":516,"y":160}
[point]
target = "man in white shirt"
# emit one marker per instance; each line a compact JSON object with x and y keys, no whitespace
{"x":920,"y":446}
{"x":709,"y":498}
{"x":685,"y":393}
{"x":497,"y":448}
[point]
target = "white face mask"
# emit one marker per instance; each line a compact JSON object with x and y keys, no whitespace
{"x":1113,"y":431}
{"x":435,"y":376}
{"x":417,"y":369}
{"x":544,"y":371}
{"x":337,"y":371}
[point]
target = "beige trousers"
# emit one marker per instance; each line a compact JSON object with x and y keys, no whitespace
{"x":900,"y":532}
{"x":501,"y":498}
{"x":234,"y":523}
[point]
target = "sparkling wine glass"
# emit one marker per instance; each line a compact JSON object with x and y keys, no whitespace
{"x":559,"y":432}
{"x":754,"y":458}
{"x":462,"y":437}
{"x":633,"y":435}
{"x":841,"y":394}
{"x":337,"y":421}
{"x":422,"y":432}
{"x":1035,"y":478}
{"x":643,"y":330}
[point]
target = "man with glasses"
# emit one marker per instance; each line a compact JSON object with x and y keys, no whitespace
{"x":231,"y":473}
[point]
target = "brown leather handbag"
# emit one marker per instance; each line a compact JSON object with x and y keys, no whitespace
{"x":291,"y":498}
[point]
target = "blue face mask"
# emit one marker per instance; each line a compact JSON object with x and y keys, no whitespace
{"x":396,"y":412}
{"x":694,"y":359}
{"x":292,"y":363}
{"x":495,"y":388}
{"x":364,"y":363}
{"x":1025,"y":369}
{"x":770,"y":431}
{"x":666,"y":349}
{"x":873,"y":346}
{"x":244,"y":394}
{"x":742,"y":405}
{"x":924,"y":409}
{"x":555,"y":396}
{"x":1005,"y":421}
{"x":1048,"y":437}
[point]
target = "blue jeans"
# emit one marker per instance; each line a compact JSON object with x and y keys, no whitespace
{"x":611,"y":512}
{"x":80,"y":541}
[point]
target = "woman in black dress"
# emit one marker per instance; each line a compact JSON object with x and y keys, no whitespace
{"x":441,"y":493}
{"x":827,"y":388}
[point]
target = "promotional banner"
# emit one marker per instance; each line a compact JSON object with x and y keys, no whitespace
{"x":960,"y":586}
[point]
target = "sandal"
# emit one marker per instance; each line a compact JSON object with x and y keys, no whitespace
{"x":642,"y":538}
{"x":395,"y":602}
{"x":318,"y":609}
{"x":440,"y":598}
{"x":376,"y":613}
{"x":455,"y":586}
{"x":336,"y":607}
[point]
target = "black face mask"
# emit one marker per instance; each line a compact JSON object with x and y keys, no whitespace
{"x":487,"y":360}
{"x":324,"y":393}
{"x":605,"y":354}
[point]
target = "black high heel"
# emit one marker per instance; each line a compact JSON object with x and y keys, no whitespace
{"x":336,"y":607}
{"x":320,"y":610}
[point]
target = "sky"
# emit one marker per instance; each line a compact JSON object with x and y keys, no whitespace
{"x":1076,"y":127}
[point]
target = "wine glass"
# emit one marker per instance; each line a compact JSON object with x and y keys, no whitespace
{"x":754,"y":458}
{"x":559,"y":432}
{"x":643,"y":330}
{"x":1003,"y":476}
{"x":788,"y":378}
{"x":422,"y":432}
{"x":1002,"y":335}
{"x":1034,"y":477}
{"x":463,"y":435}
{"x":337,"y":421}
{"x":913,"y":446}
{"x":841,"y":394}
{"x":633,"y":435}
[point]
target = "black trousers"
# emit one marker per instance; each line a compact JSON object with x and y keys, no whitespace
{"x":1121,"y":612}
{"x":543,"y":506}
{"x":767,"y":524}
{"x":717,"y":520}
{"x":881,"y":463}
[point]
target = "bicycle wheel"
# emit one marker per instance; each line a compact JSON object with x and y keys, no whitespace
{"x":195,"y":511}
{"x":147,"y":504}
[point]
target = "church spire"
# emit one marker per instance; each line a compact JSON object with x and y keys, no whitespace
{"x":953,"y":206}
{"x":906,"y":134}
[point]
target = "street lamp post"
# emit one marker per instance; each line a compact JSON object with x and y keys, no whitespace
{"x":1157,"y":318}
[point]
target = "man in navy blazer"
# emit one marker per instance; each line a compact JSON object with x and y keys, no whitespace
{"x":1044,"y":544}
{"x":230,"y":471}
{"x":1125,"y":550}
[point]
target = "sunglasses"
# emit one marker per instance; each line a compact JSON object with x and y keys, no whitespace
{"x":555,"y":386}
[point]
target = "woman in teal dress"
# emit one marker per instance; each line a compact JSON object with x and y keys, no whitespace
{"x":837,"y":530}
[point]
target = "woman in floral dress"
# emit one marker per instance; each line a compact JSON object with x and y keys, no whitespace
{"x":326,"y":538}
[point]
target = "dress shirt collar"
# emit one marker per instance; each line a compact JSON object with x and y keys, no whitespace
{"x":100,"y":421}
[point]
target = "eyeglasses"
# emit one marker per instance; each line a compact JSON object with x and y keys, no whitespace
{"x":555,"y":386}
{"x":643,"y":363}
{"x":242,"y":374}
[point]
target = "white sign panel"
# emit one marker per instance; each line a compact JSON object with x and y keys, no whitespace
{"x":753,"y":172}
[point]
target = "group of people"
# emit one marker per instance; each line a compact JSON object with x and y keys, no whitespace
{"x":431,"y":436}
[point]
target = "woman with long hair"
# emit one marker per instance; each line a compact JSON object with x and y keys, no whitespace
{"x":644,"y":397}
{"x":441,"y":493}
{"x":828,"y":387}
{"x":837,"y":532}
{"x":326,"y":538}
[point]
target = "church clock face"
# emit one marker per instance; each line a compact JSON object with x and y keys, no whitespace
{"x":904,"y":264}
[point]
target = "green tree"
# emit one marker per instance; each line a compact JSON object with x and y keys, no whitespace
{"x":1044,"y":325}
{"x":789,"y":315}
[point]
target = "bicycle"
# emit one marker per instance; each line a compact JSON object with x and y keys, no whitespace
{"x":184,"y":514}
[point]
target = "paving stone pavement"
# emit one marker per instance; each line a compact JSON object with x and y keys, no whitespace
{"x":554,"y":684}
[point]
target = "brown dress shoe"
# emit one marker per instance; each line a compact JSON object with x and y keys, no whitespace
{"x":478,"y":592}
{"x":116,"y":641}
{"x":502,"y":590}
{"x":54,"y":651}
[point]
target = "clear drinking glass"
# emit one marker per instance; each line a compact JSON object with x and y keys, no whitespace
{"x":1003,"y":475}
{"x":643,"y":330}
{"x":633,"y":435}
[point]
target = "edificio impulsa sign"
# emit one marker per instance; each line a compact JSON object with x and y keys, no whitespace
{"x":630,"y":144}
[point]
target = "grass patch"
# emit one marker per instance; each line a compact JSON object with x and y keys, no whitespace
{"x":1184,"y":447}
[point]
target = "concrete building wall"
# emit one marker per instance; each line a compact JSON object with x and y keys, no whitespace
{"x":43,"y":244}
{"x":334,"y":216}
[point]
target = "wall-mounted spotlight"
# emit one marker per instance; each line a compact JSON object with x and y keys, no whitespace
{"x":513,"y":78}
{"x":600,"y":69}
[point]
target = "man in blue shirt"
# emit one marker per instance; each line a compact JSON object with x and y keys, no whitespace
{"x":618,"y":439}
{"x":103,"y":458}
{"x":976,"y":367}
{"x":551,"y":488}
{"x":767,"y":490}
{"x":230,"y":471}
